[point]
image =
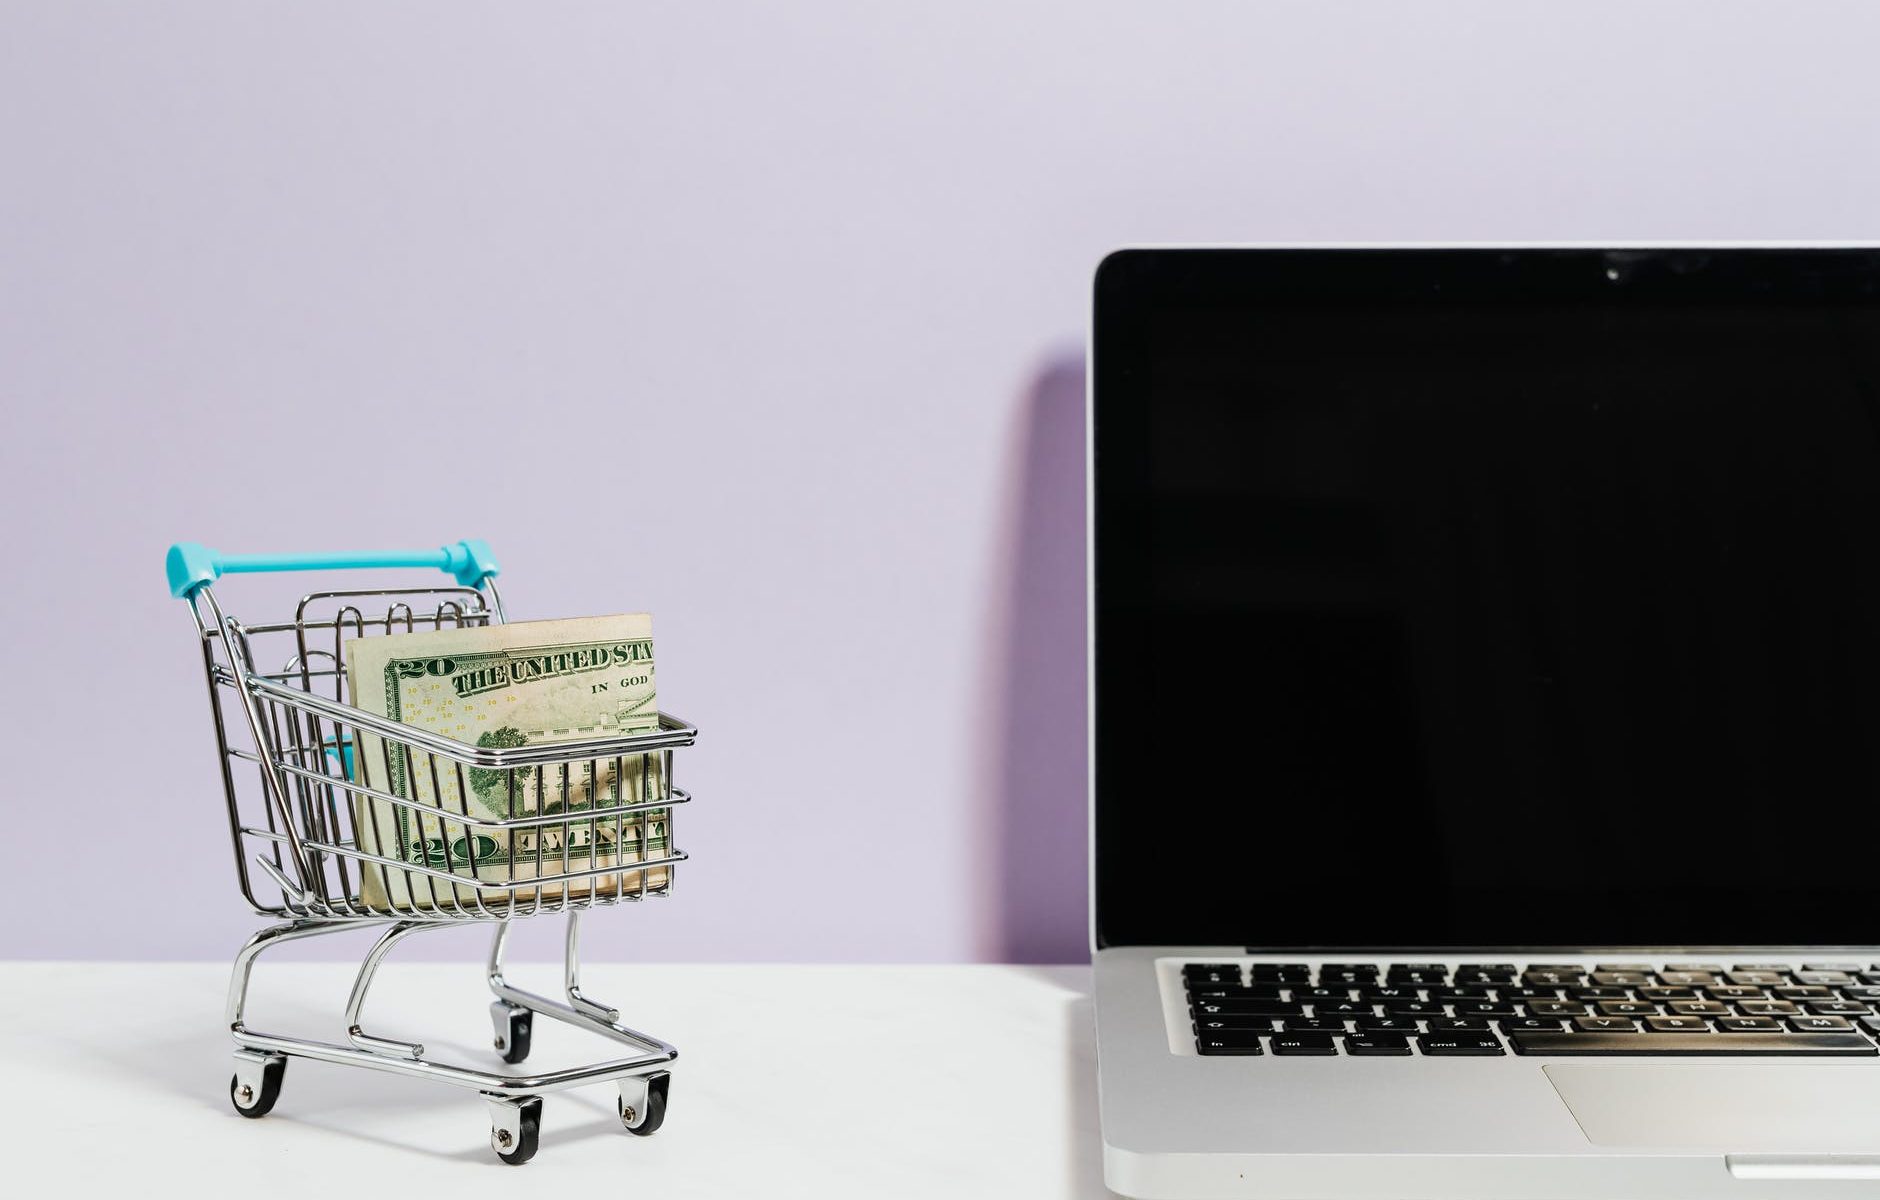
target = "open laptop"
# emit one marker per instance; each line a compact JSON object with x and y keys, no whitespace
{"x":1486,"y":721}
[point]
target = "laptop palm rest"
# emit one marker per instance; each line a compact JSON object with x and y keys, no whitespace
{"x":1826,"y":1117}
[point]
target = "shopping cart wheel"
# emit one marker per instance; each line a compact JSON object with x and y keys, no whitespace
{"x":642,"y":1103}
{"x":256,"y":1083}
{"x":515,"y":1133}
{"x":514,"y":1026}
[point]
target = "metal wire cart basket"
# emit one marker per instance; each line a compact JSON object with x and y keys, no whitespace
{"x":298,"y":804}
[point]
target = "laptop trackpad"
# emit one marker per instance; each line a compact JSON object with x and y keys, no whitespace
{"x":1728,"y":1107}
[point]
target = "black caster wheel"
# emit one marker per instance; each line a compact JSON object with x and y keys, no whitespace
{"x":251,"y":1103}
{"x":519,"y":1147}
{"x":647,"y":1123}
{"x":514,"y":1029}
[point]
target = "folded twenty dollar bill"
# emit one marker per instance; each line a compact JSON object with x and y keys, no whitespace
{"x":505,"y":686}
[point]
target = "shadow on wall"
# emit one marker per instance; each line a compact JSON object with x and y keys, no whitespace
{"x":1040,"y":821}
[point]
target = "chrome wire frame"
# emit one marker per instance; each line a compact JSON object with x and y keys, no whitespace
{"x":407,"y":1058}
{"x":296,"y":811}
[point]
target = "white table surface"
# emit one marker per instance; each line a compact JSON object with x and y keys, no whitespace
{"x":823,"y":1081}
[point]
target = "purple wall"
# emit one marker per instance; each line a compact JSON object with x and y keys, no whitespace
{"x":764,"y":318}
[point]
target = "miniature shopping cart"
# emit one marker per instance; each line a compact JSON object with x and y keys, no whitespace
{"x":302,"y":791}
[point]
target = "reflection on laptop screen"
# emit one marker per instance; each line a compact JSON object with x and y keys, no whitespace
{"x":1533,"y":600}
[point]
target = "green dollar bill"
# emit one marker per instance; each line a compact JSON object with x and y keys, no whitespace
{"x":505,"y":686}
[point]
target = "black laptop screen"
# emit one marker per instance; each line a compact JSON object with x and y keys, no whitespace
{"x":1477,"y":598}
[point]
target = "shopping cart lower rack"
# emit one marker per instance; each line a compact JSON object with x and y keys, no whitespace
{"x":296,"y":801}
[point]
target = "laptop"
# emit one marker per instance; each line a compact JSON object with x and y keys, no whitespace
{"x":1486,"y":721}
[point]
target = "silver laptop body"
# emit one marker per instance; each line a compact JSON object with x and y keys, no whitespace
{"x":1485,"y":732}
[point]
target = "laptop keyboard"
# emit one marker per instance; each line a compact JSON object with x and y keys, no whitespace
{"x":1682,"y":1008}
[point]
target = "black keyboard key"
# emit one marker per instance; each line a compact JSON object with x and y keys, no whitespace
{"x":1599,"y":993}
{"x":1626,"y":1008}
{"x":1246,"y":1008}
{"x":1223,"y":991}
{"x":1604,"y":1025}
{"x":1555,"y":1008}
{"x":1412,"y":1008}
{"x":1741,"y":978}
{"x":1378,"y":1025}
{"x":1735,"y":992}
{"x":1664,"y":995}
{"x":1449,"y":995}
{"x":1805,"y":991}
{"x":1211,"y":973}
{"x":1625,"y":979}
{"x":1458,"y":1024}
{"x":1421,"y":978}
{"x":1692,"y":1043}
{"x":1460,"y":1043}
{"x":1377,"y":1043}
{"x":1533,"y":977}
{"x":1304,"y":1043}
{"x":1227,"y":1043}
{"x":1390,"y":993}
{"x":1315,"y":1025}
{"x":1342,"y":1008}
{"x":1766,"y":1008}
{"x":1671,"y":978}
{"x":1699,"y":1008}
{"x":1697,"y":968}
{"x":1309,"y":994}
{"x":1819,"y":1024}
{"x":1530,"y":993}
{"x":1631,"y":966}
{"x":1534,"y":1024}
{"x":1676,"y":1025}
{"x":1838,"y":1008}
{"x":1748,"y":1025}
{"x":1233,"y":1021}
{"x":1486,"y":1008}
{"x":1824,"y":978}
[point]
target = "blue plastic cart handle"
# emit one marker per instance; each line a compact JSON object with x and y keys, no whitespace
{"x":191,"y":566}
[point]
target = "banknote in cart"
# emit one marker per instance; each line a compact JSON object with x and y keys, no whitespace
{"x":507,"y":686}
